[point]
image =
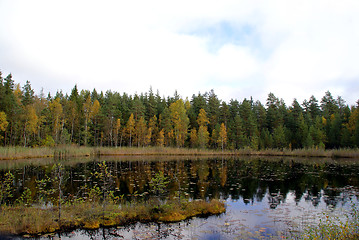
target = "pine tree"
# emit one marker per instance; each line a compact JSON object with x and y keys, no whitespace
{"x":279,"y":140}
{"x":28,"y":94}
{"x":213,"y":109}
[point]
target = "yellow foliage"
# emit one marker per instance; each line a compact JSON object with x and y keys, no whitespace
{"x":95,"y":108}
{"x":222,"y":140}
{"x":32,"y":120}
{"x":161,"y":138}
{"x":202,"y":118}
{"x":180,"y":121}
{"x":203,"y":136}
{"x":91,"y":224}
{"x":353,"y":119}
{"x":3,"y":122}
{"x":194,"y":137}
{"x":324,"y":121}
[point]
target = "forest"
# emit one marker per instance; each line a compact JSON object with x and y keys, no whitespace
{"x":86,"y":118}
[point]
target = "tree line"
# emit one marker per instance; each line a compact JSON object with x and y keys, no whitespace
{"x":147,"y":119}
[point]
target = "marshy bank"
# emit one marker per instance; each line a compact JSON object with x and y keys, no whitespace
{"x":264,"y":197}
{"x":61,"y":152}
{"x":38,"y":220}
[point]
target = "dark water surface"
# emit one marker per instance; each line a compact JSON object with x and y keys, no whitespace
{"x":266,"y":198}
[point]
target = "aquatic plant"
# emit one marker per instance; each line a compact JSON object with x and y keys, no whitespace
{"x":334,"y":227}
{"x":6,"y":187}
{"x":158,"y":184}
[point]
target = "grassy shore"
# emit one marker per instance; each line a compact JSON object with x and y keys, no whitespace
{"x":10,"y":153}
{"x":34,"y":221}
{"x":335,"y":228}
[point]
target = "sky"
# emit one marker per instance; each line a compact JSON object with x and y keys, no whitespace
{"x":240,"y":49}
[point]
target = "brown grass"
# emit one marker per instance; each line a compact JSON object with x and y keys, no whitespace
{"x":59,"y":152}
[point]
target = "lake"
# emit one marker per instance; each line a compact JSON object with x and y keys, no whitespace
{"x":265,"y":197}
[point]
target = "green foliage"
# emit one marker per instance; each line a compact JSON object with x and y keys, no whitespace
{"x":48,"y":141}
{"x":104,"y":179}
{"x":25,"y":198}
{"x":158,"y":184}
{"x":112,"y":119}
{"x":45,"y":189}
{"x":6,"y":188}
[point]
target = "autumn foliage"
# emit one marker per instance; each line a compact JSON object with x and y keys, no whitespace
{"x":111,"y":119}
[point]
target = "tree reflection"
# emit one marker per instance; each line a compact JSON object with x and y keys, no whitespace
{"x":248,"y":180}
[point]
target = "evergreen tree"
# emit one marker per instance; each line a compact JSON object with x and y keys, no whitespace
{"x":279,"y":140}
{"x":213,"y":104}
{"x":28,"y":94}
{"x":95,"y":119}
{"x":328,"y":105}
{"x":314,"y":109}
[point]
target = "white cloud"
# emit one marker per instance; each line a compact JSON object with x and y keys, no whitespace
{"x":294,"y":48}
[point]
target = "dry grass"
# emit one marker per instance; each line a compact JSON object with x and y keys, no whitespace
{"x":335,"y":228}
{"x":11,"y":153}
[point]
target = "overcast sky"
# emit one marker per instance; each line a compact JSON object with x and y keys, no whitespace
{"x":240,"y":49}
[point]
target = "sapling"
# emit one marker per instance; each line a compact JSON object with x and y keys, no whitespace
{"x":158,"y":185}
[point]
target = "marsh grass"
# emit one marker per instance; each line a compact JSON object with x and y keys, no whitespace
{"x":89,"y":215}
{"x":59,"y":152}
{"x":65,"y":151}
{"x":332,"y":227}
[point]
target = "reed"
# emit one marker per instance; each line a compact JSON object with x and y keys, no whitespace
{"x":65,"y":151}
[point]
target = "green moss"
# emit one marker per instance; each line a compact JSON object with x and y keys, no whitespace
{"x":91,"y":224}
{"x":33,"y":221}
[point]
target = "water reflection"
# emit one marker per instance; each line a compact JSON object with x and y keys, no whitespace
{"x":233,"y":178}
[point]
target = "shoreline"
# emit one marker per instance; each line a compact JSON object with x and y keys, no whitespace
{"x":61,"y":152}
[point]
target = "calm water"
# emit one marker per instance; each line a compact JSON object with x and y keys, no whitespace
{"x":265,"y":197}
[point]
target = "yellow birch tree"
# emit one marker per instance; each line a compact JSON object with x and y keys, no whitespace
{"x":222,"y":139}
{"x":194,"y":138}
{"x":3,"y":123}
{"x":179,"y":121}
{"x":56,"y":115}
{"x":203,"y":134}
{"x":161,"y":138}
{"x":130,"y":127}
